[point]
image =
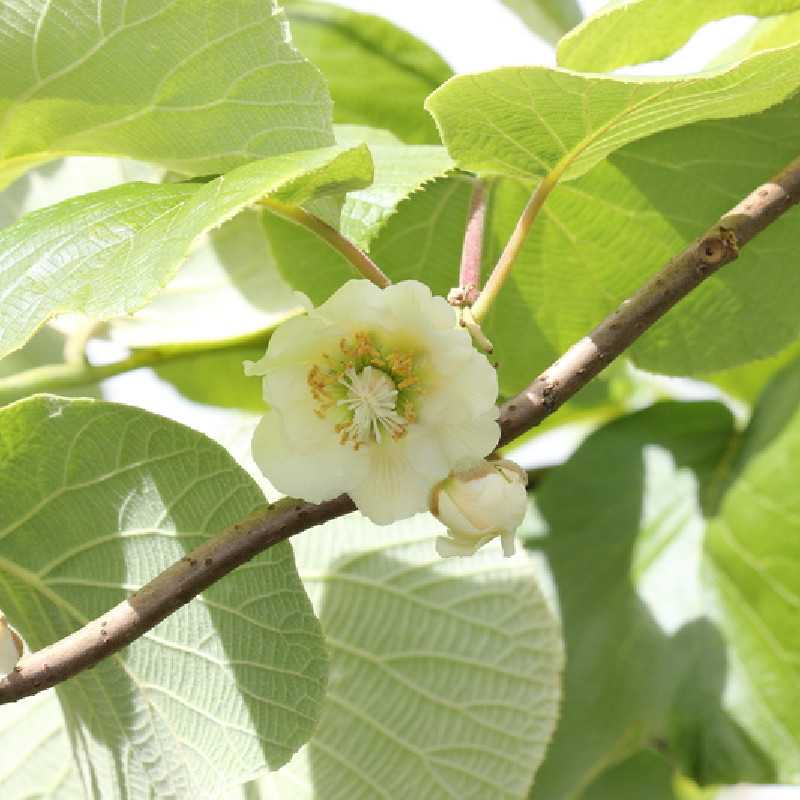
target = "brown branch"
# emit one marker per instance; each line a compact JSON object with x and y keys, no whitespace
{"x":185,"y":579}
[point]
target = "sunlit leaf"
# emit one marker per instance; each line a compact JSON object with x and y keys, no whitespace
{"x":444,"y":674}
{"x":530,"y":122}
{"x":753,"y":575}
{"x":198,"y":89}
{"x":99,"y":498}
{"x":106,"y":254}
{"x":632,"y":31}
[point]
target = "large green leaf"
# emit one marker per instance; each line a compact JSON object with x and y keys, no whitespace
{"x":444,"y":674}
{"x":107,"y":253}
{"x":601,"y":237}
{"x":632,"y":31}
{"x":753,"y":573}
{"x":643,"y":662}
{"x":97,"y":499}
{"x":35,"y":757}
{"x":550,"y":19}
{"x":378,"y":74}
{"x":198,"y":88}
{"x":644,"y":775}
{"x":530,"y":122}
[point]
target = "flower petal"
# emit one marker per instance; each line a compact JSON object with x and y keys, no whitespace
{"x":449,"y":512}
{"x":393,"y":488}
{"x":410,"y":306}
{"x":460,"y":388}
{"x":449,"y":548}
{"x":312,"y":474}
{"x":357,"y":302}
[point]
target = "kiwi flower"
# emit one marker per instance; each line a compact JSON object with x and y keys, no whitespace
{"x":378,"y":393}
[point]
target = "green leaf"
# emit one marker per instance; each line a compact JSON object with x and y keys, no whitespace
{"x":106,"y":254}
{"x":642,"y":660}
{"x":532,"y":122}
{"x":550,"y":19}
{"x":99,"y":498}
{"x":228,"y":289}
{"x":422,"y":241}
{"x":753,"y":574}
{"x":216,"y":377}
{"x":220,"y":85}
{"x":444,"y":674}
{"x":632,"y":31}
{"x":747,"y":382}
{"x":400,"y":171}
{"x":378,"y":74}
{"x":35,"y":757}
{"x":645,"y":774}
{"x":599,"y":238}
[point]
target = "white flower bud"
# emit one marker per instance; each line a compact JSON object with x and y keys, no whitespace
{"x":479,"y":504}
{"x":10,"y":647}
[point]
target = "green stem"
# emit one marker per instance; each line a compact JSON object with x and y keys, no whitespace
{"x":74,"y":374}
{"x":357,"y":257}
{"x":509,"y":255}
{"x":55,"y":377}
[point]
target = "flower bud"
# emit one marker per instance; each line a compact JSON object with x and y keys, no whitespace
{"x":479,"y":504}
{"x":10,"y":647}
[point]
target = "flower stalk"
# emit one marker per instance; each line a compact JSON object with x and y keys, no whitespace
{"x":512,"y":249}
{"x":357,"y":257}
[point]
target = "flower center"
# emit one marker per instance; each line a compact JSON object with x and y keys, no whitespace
{"x":372,"y":400}
{"x":370,"y":392}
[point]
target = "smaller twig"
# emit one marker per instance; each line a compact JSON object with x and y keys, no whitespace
{"x":357,"y":257}
{"x":469,"y":276}
{"x":509,"y":255}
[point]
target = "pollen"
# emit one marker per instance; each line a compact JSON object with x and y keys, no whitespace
{"x":361,"y":386}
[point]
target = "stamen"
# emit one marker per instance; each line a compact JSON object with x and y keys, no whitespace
{"x":365,"y":384}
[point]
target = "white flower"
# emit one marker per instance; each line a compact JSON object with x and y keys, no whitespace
{"x":10,"y":647}
{"x":479,"y":504}
{"x":378,"y":393}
